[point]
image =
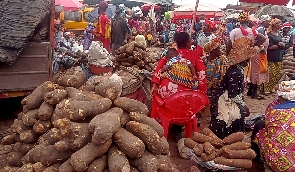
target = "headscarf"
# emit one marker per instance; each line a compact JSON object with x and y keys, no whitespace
{"x":244,"y":17}
{"x":210,"y":25}
{"x":287,"y":90}
{"x":287,"y":24}
{"x":211,"y":45}
{"x":272,"y":23}
{"x":103,"y":5}
{"x":265,"y":18}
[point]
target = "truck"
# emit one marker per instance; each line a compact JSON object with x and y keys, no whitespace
{"x":33,"y":65}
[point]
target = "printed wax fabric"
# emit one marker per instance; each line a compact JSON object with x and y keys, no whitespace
{"x":277,"y":139}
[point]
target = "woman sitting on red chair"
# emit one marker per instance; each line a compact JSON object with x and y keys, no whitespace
{"x":164,"y":86}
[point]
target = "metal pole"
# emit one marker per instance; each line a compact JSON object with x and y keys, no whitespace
{"x":194,"y":17}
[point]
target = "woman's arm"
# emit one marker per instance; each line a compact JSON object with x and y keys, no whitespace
{"x":201,"y":74}
{"x":271,"y":45}
{"x":260,"y":39}
{"x":157,"y":73}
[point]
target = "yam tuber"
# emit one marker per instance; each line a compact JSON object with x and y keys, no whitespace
{"x":45,"y":111}
{"x":208,"y":157}
{"x":74,"y":77}
{"x":26,"y":168}
{"x":78,"y":110}
{"x":125,"y":118}
{"x":22,"y":147}
{"x":201,"y":138}
{"x":147,"y":134}
{"x":131,"y":145}
{"x":51,"y":137}
{"x":9,"y":139}
{"x":55,"y":96}
{"x":48,"y":155}
{"x":18,"y":126}
{"x":166,"y":164}
{"x":147,"y":163}
{"x":131,"y":105}
{"x":110,"y":88}
{"x":73,"y":135}
{"x":66,"y":167}
{"x":38,"y":167}
{"x":105,"y":125}
{"x":30,"y":118}
{"x":53,"y":168}
{"x":189,"y":143}
{"x":239,"y":154}
{"x":10,"y":169}
{"x":41,"y":127}
{"x":29,"y":157}
{"x":117,"y":160}
{"x":164,"y":146}
{"x":26,"y":109}
{"x":29,"y":136}
{"x":239,"y":163}
{"x":76,"y":94}
{"x":235,"y":137}
{"x":216,"y":140}
{"x":35,"y":99}
{"x":238,"y":146}
{"x":83,"y":157}
{"x":133,"y":169}
{"x":14,"y":159}
{"x":142,"y":118}
{"x":198,"y":149}
{"x":208,"y":148}
{"x":98,"y":165}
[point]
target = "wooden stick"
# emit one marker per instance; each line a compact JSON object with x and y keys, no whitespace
{"x":194,"y":17}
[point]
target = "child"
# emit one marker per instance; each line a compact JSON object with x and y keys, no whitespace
{"x":149,"y":38}
{"x":179,"y":70}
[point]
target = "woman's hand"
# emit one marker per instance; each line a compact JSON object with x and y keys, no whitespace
{"x":154,"y":90}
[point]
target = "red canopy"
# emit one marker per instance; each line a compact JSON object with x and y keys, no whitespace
{"x":69,"y":4}
{"x":187,"y":11}
{"x":274,"y":2}
{"x":147,"y":7}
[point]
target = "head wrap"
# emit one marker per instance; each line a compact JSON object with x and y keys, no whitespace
{"x":211,"y":45}
{"x":210,"y":24}
{"x":287,"y":90}
{"x":272,"y":24}
{"x":265,"y":18}
{"x":244,"y":17}
{"x":103,"y":5}
{"x":287,"y":24}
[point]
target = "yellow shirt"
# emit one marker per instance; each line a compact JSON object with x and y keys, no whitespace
{"x":149,"y":37}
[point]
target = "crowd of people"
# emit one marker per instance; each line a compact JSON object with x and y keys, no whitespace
{"x":194,"y":62}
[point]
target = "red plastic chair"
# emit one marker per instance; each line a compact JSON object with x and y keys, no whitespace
{"x":179,"y":108}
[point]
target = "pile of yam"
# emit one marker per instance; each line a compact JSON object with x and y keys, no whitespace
{"x":62,"y":128}
{"x":289,"y":65}
{"x":135,"y":55}
{"x":230,"y":151}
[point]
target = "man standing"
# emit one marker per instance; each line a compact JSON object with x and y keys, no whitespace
{"x":120,"y":30}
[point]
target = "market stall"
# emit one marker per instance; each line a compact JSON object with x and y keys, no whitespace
{"x":187,"y":11}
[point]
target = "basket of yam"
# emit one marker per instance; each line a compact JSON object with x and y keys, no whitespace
{"x":135,"y":55}
{"x":65,"y":128}
{"x":211,"y":152}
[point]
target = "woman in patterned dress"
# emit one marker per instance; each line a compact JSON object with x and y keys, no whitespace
{"x":275,"y":136}
{"x":213,"y":65}
{"x":274,"y":55}
{"x":228,"y":108}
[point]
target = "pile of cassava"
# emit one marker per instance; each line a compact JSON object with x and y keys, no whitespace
{"x":64,"y":128}
{"x":135,"y":55}
{"x":230,"y":151}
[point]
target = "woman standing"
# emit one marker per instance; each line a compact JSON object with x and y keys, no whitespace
{"x":88,"y":36}
{"x":206,"y":34}
{"x":228,"y":109}
{"x":259,"y":72}
{"x":103,"y":28}
{"x":274,"y":55}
